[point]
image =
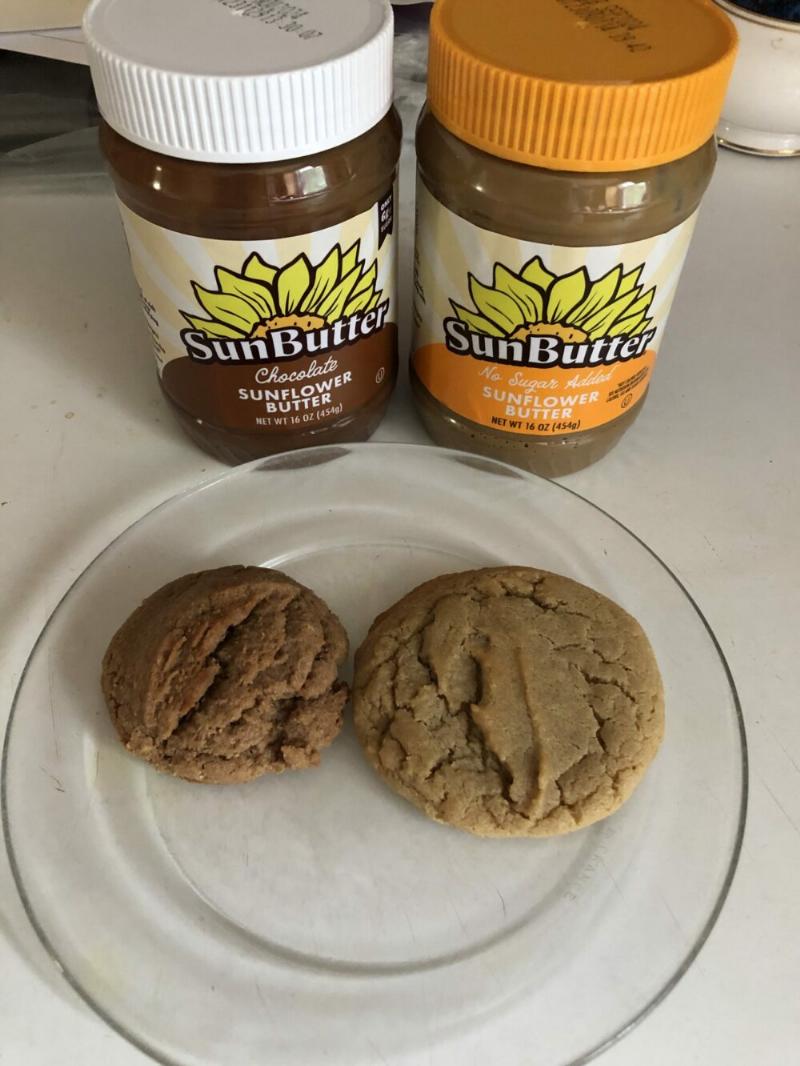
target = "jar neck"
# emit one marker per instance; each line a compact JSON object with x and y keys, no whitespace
{"x":236,"y":201}
{"x":559,"y":207}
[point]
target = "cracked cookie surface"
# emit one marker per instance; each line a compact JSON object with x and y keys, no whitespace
{"x":509,"y":701}
{"x":227,"y":674}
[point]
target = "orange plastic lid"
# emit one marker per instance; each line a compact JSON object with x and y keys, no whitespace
{"x":589,"y":85}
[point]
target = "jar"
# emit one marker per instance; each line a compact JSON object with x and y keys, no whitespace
{"x":562,"y":155}
{"x":761,"y":113}
{"x":254,"y":150}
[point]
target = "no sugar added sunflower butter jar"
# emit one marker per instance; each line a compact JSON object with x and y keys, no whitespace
{"x":254,"y":148}
{"x":562,"y":156}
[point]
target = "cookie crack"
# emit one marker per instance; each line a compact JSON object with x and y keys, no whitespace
{"x":284,"y":709}
{"x":559,"y":647}
{"x":384,"y":732}
{"x":605,"y":661}
{"x":221,"y":673}
{"x":560,"y":607}
{"x":473,"y":733}
{"x":531,"y":595}
{"x":562,"y":805}
{"x":405,"y":782}
{"x":440,"y":762}
{"x":574,"y":809}
{"x":397,"y":643}
{"x":594,"y":679}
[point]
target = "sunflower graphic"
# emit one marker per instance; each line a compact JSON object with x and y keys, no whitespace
{"x":536,"y":302}
{"x":262,"y":297}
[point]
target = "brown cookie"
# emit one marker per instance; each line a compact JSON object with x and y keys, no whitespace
{"x":509,"y":701}
{"x":226,"y":674}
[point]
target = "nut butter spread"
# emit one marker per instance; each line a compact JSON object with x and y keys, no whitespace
{"x":562,"y":155}
{"x":254,"y":150}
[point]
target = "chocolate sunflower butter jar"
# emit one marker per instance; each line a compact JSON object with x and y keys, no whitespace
{"x":253,"y":146}
{"x":562,"y":156}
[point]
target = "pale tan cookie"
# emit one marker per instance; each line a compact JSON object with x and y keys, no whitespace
{"x":509,"y":701}
{"x":226,"y":674}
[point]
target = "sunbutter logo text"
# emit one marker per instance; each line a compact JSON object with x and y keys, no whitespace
{"x":543,"y":351}
{"x":537,"y":318}
{"x":285,"y":343}
{"x":268,"y":313}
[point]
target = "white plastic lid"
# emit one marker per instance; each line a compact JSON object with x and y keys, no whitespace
{"x":240,"y":81}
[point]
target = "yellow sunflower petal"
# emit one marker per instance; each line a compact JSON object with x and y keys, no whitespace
{"x":565,"y":294}
{"x":630,"y":327}
{"x":496,"y":306}
{"x":367,"y":279}
{"x":350,"y":258}
{"x":598,"y":324}
{"x":374,"y":300}
{"x":332,"y":307}
{"x":253,"y":291}
{"x":537,"y":274}
{"x":326,"y":275}
{"x":292,"y":284}
{"x":231,"y":310}
{"x":358,"y":302}
{"x":476,"y":322}
{"x":630,"y":280}
{"x":527,"y":296}
{"x":214,"y":329}
{"x":641,"y":304}
{"x":601,"y":293}
{"x":626,"y":325}
{"x":255,"y":267}
{"x":634,"y":311}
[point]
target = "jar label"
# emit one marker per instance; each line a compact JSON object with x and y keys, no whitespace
{"x":282,"y":335}
{"x":537,"y":339}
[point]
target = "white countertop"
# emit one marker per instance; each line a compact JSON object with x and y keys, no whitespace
{"x":708,"y":477}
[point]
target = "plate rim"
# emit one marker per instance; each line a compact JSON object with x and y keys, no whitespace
{"x":338,"y":450}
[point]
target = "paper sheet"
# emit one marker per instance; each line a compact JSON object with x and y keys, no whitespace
{"x":17,"y":16}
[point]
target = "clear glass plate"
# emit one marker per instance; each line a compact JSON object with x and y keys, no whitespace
{"x":315,"y":917}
